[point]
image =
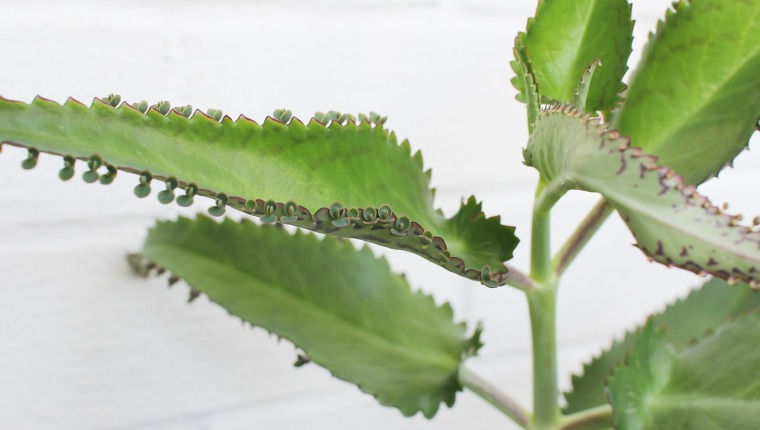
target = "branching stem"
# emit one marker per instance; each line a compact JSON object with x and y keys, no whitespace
{"x":580,"y":237}
{"x":494,"y":396}
{"x":599,"y":417}
{"x":518,"y":279}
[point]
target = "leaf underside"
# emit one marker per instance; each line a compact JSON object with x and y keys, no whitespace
{"x":712,"y":384}
{"x":672,"y":223}
{"x":261,"y":170}
{"x":566,"y":36}
{"x":694,"y":98}
{"x":682,"y":322}
{"x":343,"y":307}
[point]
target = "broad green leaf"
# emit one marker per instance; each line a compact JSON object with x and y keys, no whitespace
{"x":672,"y":223}
{"x":694,"y":98}
{"x":566,"y":36}
{"x":683,"y":321}
{"x":710,"y":385}
{"x":343,"y":307}
{"x":262,"y":170}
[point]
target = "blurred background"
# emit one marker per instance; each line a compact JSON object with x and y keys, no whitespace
{"x":88,"y":345}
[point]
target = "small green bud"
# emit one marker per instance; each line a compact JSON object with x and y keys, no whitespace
{"x":142,"y":106}
{"x":143,"y":189}
{"x":270,"y":208}
{"x":216,"y":114}
{"x":163,"y":107}
{"x":31,"y":159}
{"x":291,"y":209}
{"x":68,"y":168}
{"x":219,"y":208}
{"x":109,"y":176}
{"x":113,"y":100}
{"x":384,"y":213}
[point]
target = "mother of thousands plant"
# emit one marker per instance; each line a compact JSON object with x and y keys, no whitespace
{"x":689,"y":108}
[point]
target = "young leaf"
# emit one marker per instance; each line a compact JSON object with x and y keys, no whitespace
{"x":710,"y":385}
{"x":343,"y":307}
{"x":694,"y":99}
{"x":282,"y":171}
{"x":525,"y":82}
{"x":568,"y":35}
{"x":683,"y":321}
{"x":672,"y":223}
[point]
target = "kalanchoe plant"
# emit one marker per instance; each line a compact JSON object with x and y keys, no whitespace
{"x":690,"y":107}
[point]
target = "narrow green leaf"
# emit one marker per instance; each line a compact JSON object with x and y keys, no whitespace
{"x":568,"y":35}
{"x":343,"y":307}
{"x":525,"y":82}
{"x":580,"y":96}
{"x":682,"y":322}
{"x":712,"y":384}
{"x":261,"y":169}
{"x":694,"y":99}
{"x":672,"y":223}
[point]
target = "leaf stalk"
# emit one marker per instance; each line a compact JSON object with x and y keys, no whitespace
{"x":580,"y":237}
{"x":494,"y":396}
{"x":596,"y":418}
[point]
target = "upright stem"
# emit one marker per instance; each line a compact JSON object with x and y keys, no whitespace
{"x":542,"y":306}
{"x":540,"y":251}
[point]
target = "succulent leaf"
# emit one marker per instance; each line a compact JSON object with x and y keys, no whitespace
{"x":682,"y":322}
{"x":258,"y":169}
{"x":709,"y":385}
{"x":525,"y":82}
{"x":672,"y":223}
{"x":344,"y":308}
{"x":580,"y":96}
{"x":568,"y":35}
{"x":694,"y":98}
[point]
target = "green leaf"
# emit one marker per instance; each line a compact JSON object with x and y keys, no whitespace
{"x":694,"y":99}
{"x":580,"y":96}
{"x":525,"y":82}
{"x":566,"y":36}
{"x":712,"y":384}
{"x":672,"y":223}
{"x":286,"y":172}
{"x":682,"y":322}
{"x":343,"y":307}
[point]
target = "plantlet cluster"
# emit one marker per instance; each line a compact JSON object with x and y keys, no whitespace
{"x":688,"y":110}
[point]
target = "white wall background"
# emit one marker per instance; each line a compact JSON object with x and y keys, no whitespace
{"x":84,"y":344}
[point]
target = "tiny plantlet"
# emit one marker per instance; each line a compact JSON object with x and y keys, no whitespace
{"x":644,"y":146}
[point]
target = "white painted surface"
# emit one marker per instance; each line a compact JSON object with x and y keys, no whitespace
{"x":86,"y":345}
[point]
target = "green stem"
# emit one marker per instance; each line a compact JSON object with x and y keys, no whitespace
{"x":518,"y":279}
{"x":540,"y":252}
{"x":542,"y":306}
{"x":596,"y":418}
{"x":580,"y":237}
{"x":492,"y":395}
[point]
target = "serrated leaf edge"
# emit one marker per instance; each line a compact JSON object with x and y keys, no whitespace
{"x":408,"y":234}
